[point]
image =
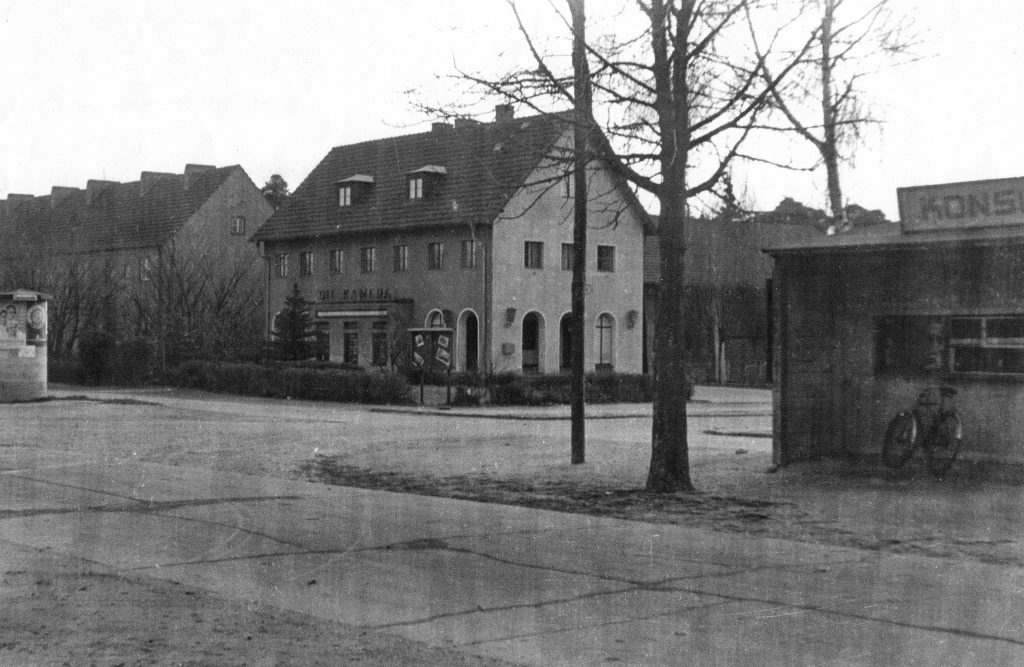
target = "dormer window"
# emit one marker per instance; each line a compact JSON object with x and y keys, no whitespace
{"x":424,"y":182}
{"x":416,"y":187}
{"x":353,"y":189}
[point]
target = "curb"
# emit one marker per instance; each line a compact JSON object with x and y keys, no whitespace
{"x":524,"y":416}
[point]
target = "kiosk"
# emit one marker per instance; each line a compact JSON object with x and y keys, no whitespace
{"x":23,"y":328}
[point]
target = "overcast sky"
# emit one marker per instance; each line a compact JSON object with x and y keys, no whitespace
{"x":109,"y":88}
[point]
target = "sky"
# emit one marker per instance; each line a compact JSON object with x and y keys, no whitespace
{"x":109,"y":88}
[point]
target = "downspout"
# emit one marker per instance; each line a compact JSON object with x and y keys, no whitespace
{"x":261,"y":249}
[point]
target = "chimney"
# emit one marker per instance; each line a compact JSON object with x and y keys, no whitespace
{"x":59,"y":193}
{"x":93,"y":189}
{"x":193,"y":171}
{"x":150,"y":178}
{"x":503,"y":113}
{"x":439,"y":127}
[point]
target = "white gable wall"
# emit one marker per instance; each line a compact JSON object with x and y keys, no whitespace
{"x":541,"y":212}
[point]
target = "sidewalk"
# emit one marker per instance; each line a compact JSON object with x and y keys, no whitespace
{"x":527,"y":586}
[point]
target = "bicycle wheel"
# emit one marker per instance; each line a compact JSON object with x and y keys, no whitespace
{"x":943,"y":443}
{"x":900,"y":439}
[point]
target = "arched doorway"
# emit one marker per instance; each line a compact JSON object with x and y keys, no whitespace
{"x":532,"y":336}
{"x":605,"y":342}
{"x":565,"y":342}
{"x":470,"y":332}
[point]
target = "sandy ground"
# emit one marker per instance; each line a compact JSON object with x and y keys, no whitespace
{"x":120,"y":620}
{"x":972,"y":515}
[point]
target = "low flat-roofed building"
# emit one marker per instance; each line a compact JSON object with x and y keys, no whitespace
{"x":864,"y":322}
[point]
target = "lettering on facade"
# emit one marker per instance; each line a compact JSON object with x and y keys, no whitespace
{"x":357,"y":294}
{"x":978,"y":204}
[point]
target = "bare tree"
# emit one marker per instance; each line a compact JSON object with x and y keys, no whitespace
{"x":678,"y":101}
{"x":823,"y":101}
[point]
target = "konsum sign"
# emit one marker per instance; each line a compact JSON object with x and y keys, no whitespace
{"x":954,"y":205}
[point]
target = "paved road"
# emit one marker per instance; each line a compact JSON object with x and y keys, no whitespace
{"x":527,"y":586}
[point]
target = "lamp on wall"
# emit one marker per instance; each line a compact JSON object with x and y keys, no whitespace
{"x":631,"y":318}
{"x":510,"y":316}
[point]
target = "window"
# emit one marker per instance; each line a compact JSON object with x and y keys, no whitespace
{"x":533,"y":255}
{"x":238,"y":225}
{"x":468,"y":255}
{"x":987,"y":344}
{"x":435,"y":319}
{"x":605,"y":334}
{"x":567,"y":256}
{"x":416,"y":187}
{"x":401,"y":258}
{"x":344,"y":195}
{"x":281,"y":266}
{"x":567,"y":185}
{"x":953,"y":344}
{"x":350,"y":339}
{"x":435,"y":256}
{"x":379,"y":340}
{"x":305,"y":263}
{"x":145,"y":269}
{"x":337,"y":261}
{"x":367,"y":259}
{"x":606,"y":258}
{"x":127,"y":272}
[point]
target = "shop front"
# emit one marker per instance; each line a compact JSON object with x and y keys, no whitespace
{"x":365,"y":333}
{"x":864,"y":323}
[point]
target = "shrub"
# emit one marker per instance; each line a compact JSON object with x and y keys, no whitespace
{"x":515,"y":389}
{"x":96,"y":355}
{"x":292,"y":381}
{"x":66,"y":370}
{"x":133,"y":362}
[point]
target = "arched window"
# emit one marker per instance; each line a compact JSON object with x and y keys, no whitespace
{"x":565,"y":341}
{"x":435,"y":318}
{"x":605,"y":335}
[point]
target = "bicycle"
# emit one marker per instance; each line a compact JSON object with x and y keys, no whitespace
{"x":933,"y":424}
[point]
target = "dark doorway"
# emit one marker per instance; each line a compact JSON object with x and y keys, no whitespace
{"x":565,"y":340}
{"x":470,"y":335}
{"x":531,"y":343}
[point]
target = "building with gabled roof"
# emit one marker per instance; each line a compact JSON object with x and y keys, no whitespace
{"x":469,"y":227}
{"x":120,"y":237}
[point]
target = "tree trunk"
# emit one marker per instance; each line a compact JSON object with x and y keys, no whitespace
{"x":670,"y":464}
{"x":829,"y":147}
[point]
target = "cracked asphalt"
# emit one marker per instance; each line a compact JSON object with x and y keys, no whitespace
{"x":484,"y":581}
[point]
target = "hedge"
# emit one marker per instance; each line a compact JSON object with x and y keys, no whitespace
{"x":289,"y":381}
{"x":515,"y":389}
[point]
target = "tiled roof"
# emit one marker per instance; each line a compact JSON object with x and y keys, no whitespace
{"x":117,"y":216}
{"x":484,"y":164}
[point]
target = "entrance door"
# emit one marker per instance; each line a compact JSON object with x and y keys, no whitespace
{"x":531,"y":343}
{"x":470,"y":336}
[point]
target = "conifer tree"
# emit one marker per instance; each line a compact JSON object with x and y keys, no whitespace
{"x":293,"y":328}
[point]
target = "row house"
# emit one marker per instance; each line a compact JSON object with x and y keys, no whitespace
{"x":129,"y":233}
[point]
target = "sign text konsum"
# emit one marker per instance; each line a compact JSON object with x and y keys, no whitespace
{"x":971,"y":204}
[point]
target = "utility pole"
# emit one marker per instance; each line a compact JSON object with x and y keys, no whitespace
{"x":581,"y":154}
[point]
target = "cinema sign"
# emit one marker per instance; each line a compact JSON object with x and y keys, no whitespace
{"x":956,"y":205}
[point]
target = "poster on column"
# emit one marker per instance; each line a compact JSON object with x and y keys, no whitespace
{"x":12,"y":325}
